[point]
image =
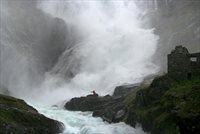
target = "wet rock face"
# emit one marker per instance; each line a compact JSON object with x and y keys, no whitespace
{"x":158,"y":87}
{"x":16,"y":117}
{"x":110,"y":108}
{"x":167,"y":106}
{"x":89,"y":103}
{"x":124,"y":89}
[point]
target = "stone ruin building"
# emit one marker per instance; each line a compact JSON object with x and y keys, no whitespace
{"x":182,"y":64}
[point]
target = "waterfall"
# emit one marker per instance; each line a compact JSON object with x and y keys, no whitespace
{"x":155,"y":4}
{"x":31,"y":42}
{"x":68,"y":48}
{"x":52,"y":51}
{"x":112,"y":47}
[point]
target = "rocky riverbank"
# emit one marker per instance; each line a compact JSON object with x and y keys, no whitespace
{"x":107,"y":107}
{"x":110,"y":108}
{"x":166,"y":106}
{"x":16,"y":117}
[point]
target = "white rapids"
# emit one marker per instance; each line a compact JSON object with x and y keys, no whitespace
{"x":84,"y":123}
{"x":106,"y":46}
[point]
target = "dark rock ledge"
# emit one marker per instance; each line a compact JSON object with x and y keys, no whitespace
{"x":109,"y":108}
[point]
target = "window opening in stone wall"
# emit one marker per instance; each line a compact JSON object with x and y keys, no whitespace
{"x":193,"y":59}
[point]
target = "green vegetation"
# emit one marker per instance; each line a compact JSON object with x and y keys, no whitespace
{"x":167,"y":106}
{"x":8,"y":101}
{"x":19,"y":118}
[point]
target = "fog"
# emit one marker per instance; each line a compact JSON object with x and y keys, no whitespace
{"x":53,"y":50}
{"x":60,"y":49}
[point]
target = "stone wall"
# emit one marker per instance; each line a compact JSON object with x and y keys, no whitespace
{"x":195,"y":63}
{"x":182,"y":64}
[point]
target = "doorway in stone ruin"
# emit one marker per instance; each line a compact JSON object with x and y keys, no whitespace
{"x":189,"y":76}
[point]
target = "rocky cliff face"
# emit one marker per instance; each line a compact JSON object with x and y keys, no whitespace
{"x":167,"y":106}
{"x":110,"y":108}
{"x":16,"y":117}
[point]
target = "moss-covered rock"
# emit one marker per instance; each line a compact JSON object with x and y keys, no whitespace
{"x":16,"y":117}
{"x":167,"y":107}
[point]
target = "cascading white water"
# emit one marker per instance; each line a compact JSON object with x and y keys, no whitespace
{"x":84,"y":123}
{"x":27,"y":45}
{"x":109,"y":48}
{"x":113,"y":48}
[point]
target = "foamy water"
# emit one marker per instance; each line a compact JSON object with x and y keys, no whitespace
{"x":84,"y":123}
{"x":112,"y":47}
{"x":109,"y":47}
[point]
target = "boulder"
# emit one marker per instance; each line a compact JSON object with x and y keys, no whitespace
{"x":106,"y":107}
{"x":16,"y":117}
{"x":88,"y":103}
